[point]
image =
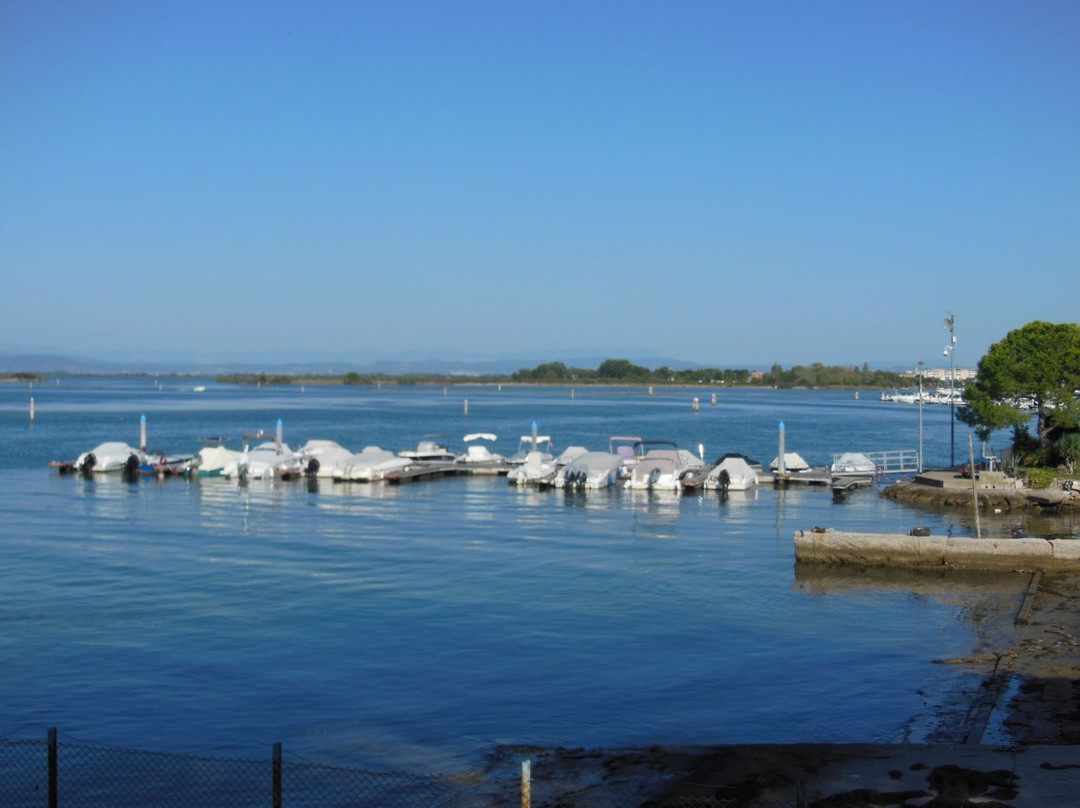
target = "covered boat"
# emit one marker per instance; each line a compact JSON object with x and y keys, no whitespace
{"x":213,"y":460}
{"x":732,"y":473}
{"x":265,"y":461}
{"x":792,"y":463}
{"x":110,"y":457}
{"x":853,"y":464}
{"x":591,"y":470}
{"x":318,"y":457}
{"x":369,"y":465}
{"x":431,"y":448}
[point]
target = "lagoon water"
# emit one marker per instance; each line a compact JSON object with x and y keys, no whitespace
{"x":419,"y":625}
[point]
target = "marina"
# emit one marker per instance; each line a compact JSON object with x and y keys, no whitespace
{"x":419,"y":623}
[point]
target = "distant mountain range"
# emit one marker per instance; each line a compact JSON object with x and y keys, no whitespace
{"x":51,"y":363}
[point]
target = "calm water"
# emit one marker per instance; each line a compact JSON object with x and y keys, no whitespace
{"x":416,"y":625}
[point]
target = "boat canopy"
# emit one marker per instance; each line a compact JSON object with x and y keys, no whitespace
{"x":479,"y":436}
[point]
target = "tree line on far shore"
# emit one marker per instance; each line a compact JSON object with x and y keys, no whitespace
{"x":623,"y":371}
{"x":616,"y":372}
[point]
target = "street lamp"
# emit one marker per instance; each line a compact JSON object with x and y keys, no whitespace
{"x":920,"y":416}
{"x":950,"y":350}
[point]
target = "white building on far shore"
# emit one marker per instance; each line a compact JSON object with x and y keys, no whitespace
{"x":941,"y":374}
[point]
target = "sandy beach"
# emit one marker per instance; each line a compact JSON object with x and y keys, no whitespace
{"x":1010,"y":742}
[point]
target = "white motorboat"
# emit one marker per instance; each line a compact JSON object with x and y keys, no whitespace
{"x":110,"y":457}
{"x":369,"y":465}
{"x":663,"y":469}
{"x":731,"y":473}
{"x":318,"y":457}
{"x":853,"y":464}
{"x":264,"y":461}
{"x":539,"y":468}
{"x":591,"y":470}
{"x":431,"y":448}
{"x":531,"y":443}
{"x":479,"y":456}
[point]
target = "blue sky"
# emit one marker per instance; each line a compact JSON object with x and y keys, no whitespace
{"x":725,"y":183}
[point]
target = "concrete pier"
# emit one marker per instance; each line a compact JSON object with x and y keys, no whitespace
{"x":899,"y":550}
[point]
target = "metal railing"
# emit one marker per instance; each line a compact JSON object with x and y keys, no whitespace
{"x":891,"y":463}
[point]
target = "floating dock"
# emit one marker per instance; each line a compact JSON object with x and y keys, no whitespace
{"x":938,"y":552}
{"x":425,"y":471}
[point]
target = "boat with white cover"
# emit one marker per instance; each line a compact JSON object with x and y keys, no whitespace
{"x":369,"y":465}
{"x":731,"y":473}
{"x":110,"y":457}
{"x":318,"y":457}
{"x":431,"y":448}
{"x":212,"y":461}
{"x":264,"y":461}
{"x":663,"y":468}
{"x":793,"y":462}
{"x":591,"y":470}
{"x":853,"y":464}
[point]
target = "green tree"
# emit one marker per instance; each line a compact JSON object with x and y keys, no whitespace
{"x":1037,"y":365}
{"x":622,"y":369}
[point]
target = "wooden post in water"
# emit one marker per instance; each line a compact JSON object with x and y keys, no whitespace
{"x":466,"y":408}
{"x":974,"y":490}
{"x":31,"y":409}
{"x":142,"y":433}
{"x":280,"y":433}
{"x":781,"y":467}
{"x":695,"y":405}
{"x":526,"y":784}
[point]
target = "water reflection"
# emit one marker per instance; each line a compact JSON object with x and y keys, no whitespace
{"x":655,"y":513}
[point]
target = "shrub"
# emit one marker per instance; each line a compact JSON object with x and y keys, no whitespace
{"x":1039,"y":478}
{"x":1067,"y":450}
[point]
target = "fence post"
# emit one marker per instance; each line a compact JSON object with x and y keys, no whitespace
{"x":53,"y":767}
{"x":277,"y":775}
{"x":526,"y":784}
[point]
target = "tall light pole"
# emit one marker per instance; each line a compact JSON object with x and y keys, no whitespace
{"x":920,"y":416}
{"x":950,"y":350}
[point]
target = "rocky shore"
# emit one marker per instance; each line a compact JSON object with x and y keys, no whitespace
{"x":995,"y":492}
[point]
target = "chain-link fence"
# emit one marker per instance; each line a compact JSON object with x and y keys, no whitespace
{"x":49,"y":774}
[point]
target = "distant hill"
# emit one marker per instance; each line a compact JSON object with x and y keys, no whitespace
{"x":49,"y":364}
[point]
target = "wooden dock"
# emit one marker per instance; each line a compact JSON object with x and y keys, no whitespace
{"x":426,"y":471}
